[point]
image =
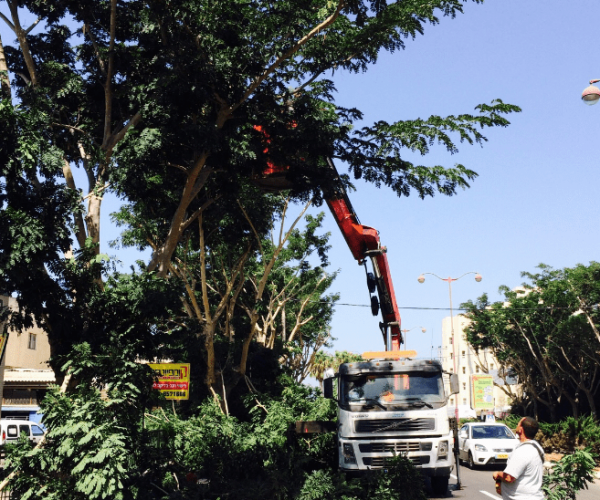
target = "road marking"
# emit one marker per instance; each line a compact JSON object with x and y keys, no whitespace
{"x":495,"y":497}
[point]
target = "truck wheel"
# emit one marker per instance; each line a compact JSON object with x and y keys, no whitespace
{"x":439,"y":485}
{"x":471,"y":461}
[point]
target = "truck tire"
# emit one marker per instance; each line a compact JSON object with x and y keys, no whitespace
{"x":439,"y":485}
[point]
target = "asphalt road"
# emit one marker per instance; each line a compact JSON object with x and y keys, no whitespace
{"x":478,"y":485}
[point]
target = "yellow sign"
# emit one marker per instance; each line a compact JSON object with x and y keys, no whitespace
{"x":483,"y":392}
{"x":173,"y":379}
{"x":3,"y":342}
{"x":389,"y":354}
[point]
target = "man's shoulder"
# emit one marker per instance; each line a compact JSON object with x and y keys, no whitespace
{"x":530,"y":448}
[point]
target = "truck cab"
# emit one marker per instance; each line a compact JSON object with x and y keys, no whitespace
{"x":389,"y":407}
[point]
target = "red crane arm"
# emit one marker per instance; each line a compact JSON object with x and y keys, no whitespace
{"x":363,"y":242}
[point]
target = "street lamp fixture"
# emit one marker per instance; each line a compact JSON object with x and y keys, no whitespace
{"x":408,"y":330}
{"x":591,"y":94}
{"x":421,"y":279}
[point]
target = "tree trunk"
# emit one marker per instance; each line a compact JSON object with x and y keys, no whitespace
{"x":4,"y":80}
{"x":592,"y":402}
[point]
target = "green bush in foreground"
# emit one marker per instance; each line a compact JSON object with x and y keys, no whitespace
{"x":90,"y":455}
{"x":568,"y":476}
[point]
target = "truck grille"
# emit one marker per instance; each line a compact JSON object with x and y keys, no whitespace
{"x":395,"y":448}
{"x":395,"y":424}
{"x":376,"y":462}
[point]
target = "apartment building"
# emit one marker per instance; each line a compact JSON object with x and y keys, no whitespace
{"x":458,"y":356}
{"x":26,"y":371}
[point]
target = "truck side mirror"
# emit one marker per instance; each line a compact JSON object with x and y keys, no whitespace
{"x":328,"y":388}
{"x":454,"y":386}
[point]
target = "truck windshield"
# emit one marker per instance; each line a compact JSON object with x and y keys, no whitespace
{"x":406,"y":389}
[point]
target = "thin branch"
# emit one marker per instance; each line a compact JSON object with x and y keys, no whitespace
{"x":117,"y":137}
{"x":247,"y":217}
{"x":224,"y":394}
{"x":184,"y":169}
{"x":4,"y":78}
{"x":87,"y":31}
{"x":7,"y":21}
{"x":305,"y":39}
{"x":80,"y":233}
{"x":96,"y":191}
{"x":198,"y":212}
{"x":108,"y":90}
{"x":70,"y":127}
{"x":35,"y":23}
{"x":23,"y":43}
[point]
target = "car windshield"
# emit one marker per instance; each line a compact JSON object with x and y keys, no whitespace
{"x":406,"y":389}
{"x":492,"y":432}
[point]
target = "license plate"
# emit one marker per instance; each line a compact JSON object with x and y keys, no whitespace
{"x":502,"y":456}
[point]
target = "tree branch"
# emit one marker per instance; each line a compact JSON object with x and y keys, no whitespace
{"x":23,"y":43}
{"x":108,"y":93}
{"x":279,"y":61}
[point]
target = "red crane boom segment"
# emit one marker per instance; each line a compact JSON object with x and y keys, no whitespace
{"x":362,"y":240}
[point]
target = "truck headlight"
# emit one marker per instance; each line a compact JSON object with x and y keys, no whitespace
{"x":442,"y":449}
{"x":348,"y":453}
{"x":480,"y":447}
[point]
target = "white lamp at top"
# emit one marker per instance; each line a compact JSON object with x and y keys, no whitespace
{"x":591,"y":94}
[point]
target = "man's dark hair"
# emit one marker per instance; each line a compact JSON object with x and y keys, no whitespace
{"x":530,"y":427}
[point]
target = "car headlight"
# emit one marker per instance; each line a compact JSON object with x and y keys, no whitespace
{"x":480,"y":447}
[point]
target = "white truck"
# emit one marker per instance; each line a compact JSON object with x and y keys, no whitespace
{"x":390,"y":405}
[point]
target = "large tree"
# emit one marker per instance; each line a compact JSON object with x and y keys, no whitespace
{"x":547,"y":333}
{"x":159,"y":102}
{"x":177,"y":106}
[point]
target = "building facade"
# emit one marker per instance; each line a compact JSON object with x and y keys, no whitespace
{"x":459,"y":357}
{"x":25,"y":369}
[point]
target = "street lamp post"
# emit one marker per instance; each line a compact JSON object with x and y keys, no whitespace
{"x":421,"y":279}
{"x":408,"y":330}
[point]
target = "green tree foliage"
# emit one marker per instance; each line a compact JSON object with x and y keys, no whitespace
{"x":568,"y":476}
{"x":571,"y":434}
{"x":324,"y":361}
{"x":158,"y":102}
{"x":547,"y":334}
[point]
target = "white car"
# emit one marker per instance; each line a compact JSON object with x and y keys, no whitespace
{"x":485,"y":443}
{"x":10,"y":430}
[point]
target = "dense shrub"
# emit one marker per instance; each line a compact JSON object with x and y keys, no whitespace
{"x":571,"y":434}
{"x":568,"y":476}
{"x":209,"y":455}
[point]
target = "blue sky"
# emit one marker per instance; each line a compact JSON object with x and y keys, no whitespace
{"x":535,"y":198}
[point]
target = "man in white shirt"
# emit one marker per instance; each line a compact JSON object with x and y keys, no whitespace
{"x":522,"y":478}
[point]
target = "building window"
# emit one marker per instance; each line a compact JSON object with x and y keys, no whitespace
{"x":492,"y":366}
{"x":451,"y":355}
{"x":464,"y":401}
{"x":464,"y":370}
{"x":476,"y":368}
{"x":452,"y":401}
{"x":463,"y":354}
{"x":464,"y":386}
{"x":32,"y":341}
